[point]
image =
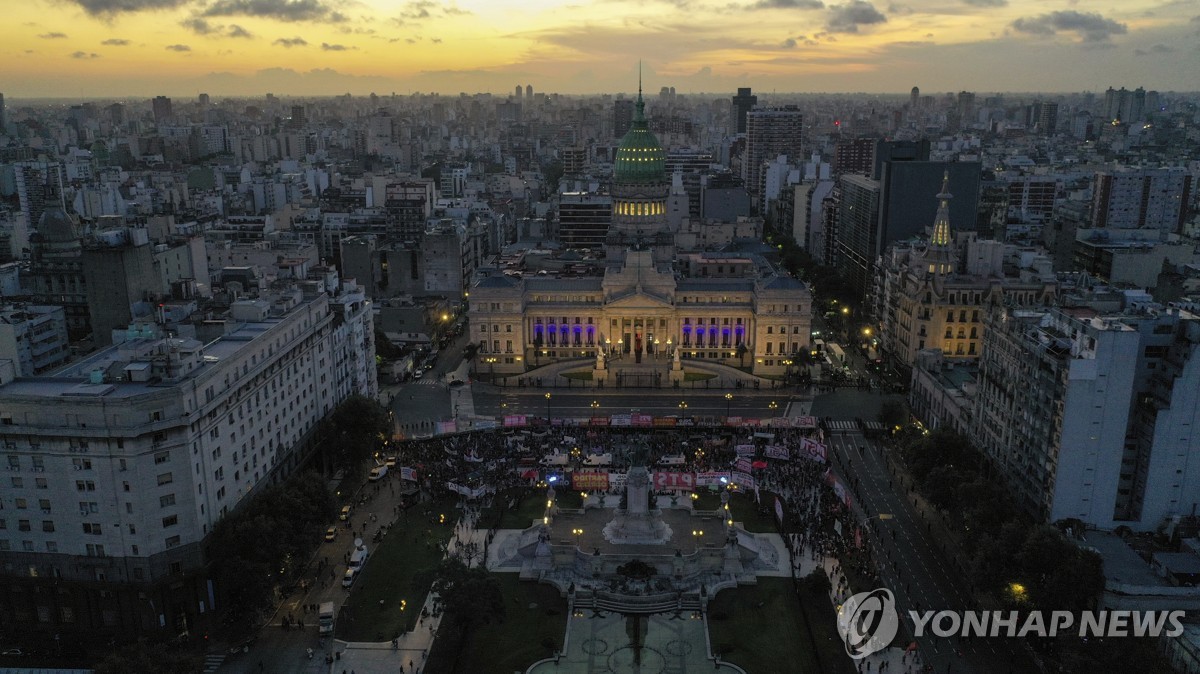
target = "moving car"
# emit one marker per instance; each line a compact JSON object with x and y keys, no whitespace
{"x":345,"y":514}
{"x":331,"y":533}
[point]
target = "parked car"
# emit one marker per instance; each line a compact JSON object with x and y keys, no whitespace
{"x":331,"y":533}
{"x":348,"y":579}
{"x":345,"y":514}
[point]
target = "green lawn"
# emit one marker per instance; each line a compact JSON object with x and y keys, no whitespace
{"x":580,"y":376}
{"x":526,"y":635}
{"x":391,"y":575}
{"x":698,"y":376}
{"x":532,"y":507}
{"x":745,"y":510}
{"x":760,"y":626}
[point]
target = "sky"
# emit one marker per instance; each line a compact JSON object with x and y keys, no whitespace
{"x":119,"y":48}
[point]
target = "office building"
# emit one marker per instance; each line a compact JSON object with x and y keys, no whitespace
{"x":161,"y":106}
{"x":622,"y":116}
{"x":877,"y":212}
{"x":1142,"y":199}
{"x":855,"y":156}
{"x":584,"y":219}
{"x":741,"y":105}
{"x":122,"y":280}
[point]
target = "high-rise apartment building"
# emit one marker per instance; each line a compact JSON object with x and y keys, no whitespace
{"x":741,"y":105}
{"x":1088,"y":415}
{"x":770,"y":132}
{"x":3,"y":116}
{"x":297,"y":120}
{"x":855,"y":156}
{"x":1141,"y":199}
{"x":622,"y":116}
{"x":161,"y":106}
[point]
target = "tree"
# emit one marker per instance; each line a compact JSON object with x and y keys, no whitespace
{"x":355,"y":429}
{"x":471,"y":597}
{"x":891,"y":414}
{"x":741,"y":352}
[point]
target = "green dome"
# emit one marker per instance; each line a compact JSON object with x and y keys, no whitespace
{"x":640,"y":159}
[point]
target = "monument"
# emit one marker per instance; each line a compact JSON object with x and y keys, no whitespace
{"x":636,"y":521}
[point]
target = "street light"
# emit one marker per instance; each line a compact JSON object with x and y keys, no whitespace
{"x":728,"y":402}
{"x":547,"y":407}
{"x":683,"y":405}
{"x":595,"y":404}
{"x":773,"y":406}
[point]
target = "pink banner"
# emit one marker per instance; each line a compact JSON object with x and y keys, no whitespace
{"x":811,"y":449}
{"x":775,"y":452}
{"x":674,"y":481}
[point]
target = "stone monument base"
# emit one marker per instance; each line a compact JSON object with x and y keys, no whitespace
{"x":637,"y":529}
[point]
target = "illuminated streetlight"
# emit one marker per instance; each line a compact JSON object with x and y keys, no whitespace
{"x":547,"y":407}
{"x":728,"y":402}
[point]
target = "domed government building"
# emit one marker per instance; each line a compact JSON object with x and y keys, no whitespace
{"x":662,"y":305}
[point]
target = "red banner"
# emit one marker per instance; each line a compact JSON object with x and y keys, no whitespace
{"x":514,"y":420}
{"x":642,"y":420}
{"x":590,"y":480}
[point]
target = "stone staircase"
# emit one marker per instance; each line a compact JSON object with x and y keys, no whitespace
{"x":622,"y":603}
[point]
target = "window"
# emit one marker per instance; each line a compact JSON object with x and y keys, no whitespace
{"x":165,"y":478}
{"x":41,"y":483}
{"x":172,"y":541}
{"x":167,"y":500}
{"x":18,"y":482}
{"x":21,"y":504}
{"x":23,"y":525}
{"x":44,"y":504}
{"x":170,"y":521}
{"x":85,"y":485}
{"x":91,"y":528}
{"x":48,"y":526}
{"x":94,"y":550}
{"x":89,"y":507}
{"x":82,"y":464}
{"x":162,"y":457}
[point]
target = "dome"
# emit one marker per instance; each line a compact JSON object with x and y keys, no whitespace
{"x":56,"y":226}
{"x":640,"y":159}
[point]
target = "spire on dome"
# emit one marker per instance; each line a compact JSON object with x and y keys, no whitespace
{"x":639,"y":107}
{"x":941,"y":223}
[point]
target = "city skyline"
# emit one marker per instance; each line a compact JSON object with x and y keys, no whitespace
{"x":90,"y":48}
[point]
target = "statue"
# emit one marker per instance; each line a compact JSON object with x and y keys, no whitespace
{"x":638,"y":453}
{"x":675,"y":364}
{"x":600,"y":359}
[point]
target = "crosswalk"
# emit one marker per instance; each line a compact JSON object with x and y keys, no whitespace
{"x":842,"y":425}
{"x":212,"y":662}
{"x":427,"y":382}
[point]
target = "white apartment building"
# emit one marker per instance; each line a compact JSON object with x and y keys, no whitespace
{"x":1090,"y":415}
{"x":121,"y":464}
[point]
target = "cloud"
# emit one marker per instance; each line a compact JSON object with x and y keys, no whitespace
{"x":282,"y":10}
{"x":789,"y":43}
{"x":116,"y":42}
{"x":53,"y":36}
{"x":335,"y":47}
{"x":291,"y":42}
{"x":986,"y":3}
{"x":85,"y":55}
{"x":1156,"y":49}
{"x":1090,"y":27}
{"x":785,"y":4}
{"x":112,"y":7}
{"x":199,"y":26}
{"x":848,"y":17}
{"x":178,"y":47}
{"x":237,"y":31}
